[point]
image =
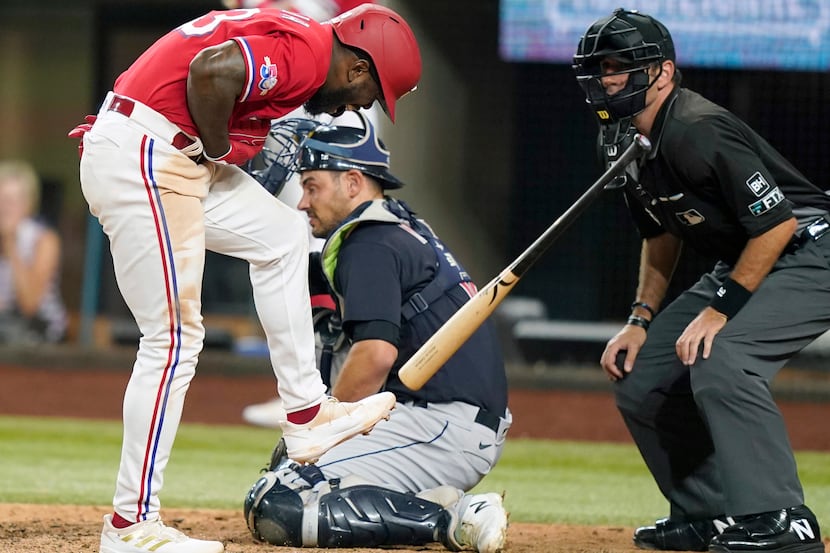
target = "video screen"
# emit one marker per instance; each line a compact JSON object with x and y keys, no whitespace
{"x":737,"y":34}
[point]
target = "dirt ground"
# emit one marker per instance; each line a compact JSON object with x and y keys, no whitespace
{"x":219,"y":399}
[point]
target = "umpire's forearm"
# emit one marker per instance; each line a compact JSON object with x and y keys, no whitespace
{"x":761,"y":253}
{"x":658,"y":259}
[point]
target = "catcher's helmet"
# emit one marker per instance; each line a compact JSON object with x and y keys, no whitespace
{"x":391,"y":45}
{"x":298,"y":144}
{"x":339,"y":148}
{"x":636,"y":40}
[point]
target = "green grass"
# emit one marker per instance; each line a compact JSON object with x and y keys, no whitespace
{"x":67,"y":461}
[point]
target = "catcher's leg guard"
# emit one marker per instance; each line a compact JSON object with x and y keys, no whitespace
{"x":274,"y":511}
{"x":370,"y":516}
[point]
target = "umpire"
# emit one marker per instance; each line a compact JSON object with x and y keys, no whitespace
{"x":692,"y":382}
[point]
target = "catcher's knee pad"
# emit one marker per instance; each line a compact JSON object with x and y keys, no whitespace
{"x":274,"y":512}
{"x":369,"y":516}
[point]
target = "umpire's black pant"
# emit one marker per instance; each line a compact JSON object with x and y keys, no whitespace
{"x":711,"y":434}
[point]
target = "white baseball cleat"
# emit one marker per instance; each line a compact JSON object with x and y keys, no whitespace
{"x":151,"y":536}
{"x":268,"y":414}
{"x":336,"y":422}
{"x":479,"y":522}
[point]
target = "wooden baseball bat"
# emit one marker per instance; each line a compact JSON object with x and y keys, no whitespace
{"x":445,"y":342}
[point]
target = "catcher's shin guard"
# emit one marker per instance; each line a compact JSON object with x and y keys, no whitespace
{"x":371,"y":516}
{"x":274,"y":512}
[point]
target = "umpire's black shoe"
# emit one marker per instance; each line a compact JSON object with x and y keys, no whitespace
{"x":793,"y":530}
{"x":680,"y":535}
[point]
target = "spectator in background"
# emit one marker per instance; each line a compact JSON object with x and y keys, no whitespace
{"x":31,"y":308}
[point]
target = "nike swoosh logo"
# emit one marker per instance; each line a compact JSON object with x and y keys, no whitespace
{"x":483,"y":446}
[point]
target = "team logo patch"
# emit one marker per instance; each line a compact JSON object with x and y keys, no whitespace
{"x":772,"y":199}
{"x":690,"y":217}
{"x":758,"y":184}
{"x":267,"y":76}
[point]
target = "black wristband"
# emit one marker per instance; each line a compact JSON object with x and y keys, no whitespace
{"x":730,"y":298}
{"x":645,"y":306}
{"x":637,"y":320}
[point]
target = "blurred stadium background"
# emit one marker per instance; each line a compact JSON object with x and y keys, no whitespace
{"x":495,"y":144}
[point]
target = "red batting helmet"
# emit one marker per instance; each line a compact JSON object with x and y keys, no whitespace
{"x":387,"y":38}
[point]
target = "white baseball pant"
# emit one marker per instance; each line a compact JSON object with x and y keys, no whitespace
{"x":161,"y":211}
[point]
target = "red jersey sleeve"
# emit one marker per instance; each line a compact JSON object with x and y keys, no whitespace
{"x":283,"y":67}
{"x":287,"y":57}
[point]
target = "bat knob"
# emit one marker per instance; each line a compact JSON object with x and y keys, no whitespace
{"x":643,"y":143}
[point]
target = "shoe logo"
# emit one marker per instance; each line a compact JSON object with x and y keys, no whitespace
{"x":483,"y":446}
{"x":803,"y":529}
{"x":478,"y":506}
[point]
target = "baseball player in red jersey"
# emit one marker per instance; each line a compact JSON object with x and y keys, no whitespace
{"x":158,"y":169}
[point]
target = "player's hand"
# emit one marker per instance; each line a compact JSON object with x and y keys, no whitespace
{"x":242,"y":146}
{"x":246,"y":140}
{"x":702,"y":329}
{"x":79,"y":132}
{"x":630,"y":339}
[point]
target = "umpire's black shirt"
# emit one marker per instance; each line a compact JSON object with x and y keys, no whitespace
{"x":714,"y":182}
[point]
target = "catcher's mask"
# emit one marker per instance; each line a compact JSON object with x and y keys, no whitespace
{"x":295,"y":145}
{"x":637,"y":41}
{"x":277,"y":160}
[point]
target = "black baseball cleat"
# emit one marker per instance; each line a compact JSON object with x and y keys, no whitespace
{"x":680,"y":535}
{"x":279,"y":456}
{"x":793,"y":530}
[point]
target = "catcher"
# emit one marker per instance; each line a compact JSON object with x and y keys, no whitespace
{"x":395,"y":284}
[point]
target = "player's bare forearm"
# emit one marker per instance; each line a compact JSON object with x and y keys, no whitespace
{"x":761,"y":253}
{"x":214,"y":82}
{"x":365,"y":370}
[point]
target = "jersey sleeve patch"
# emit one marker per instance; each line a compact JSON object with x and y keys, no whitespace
{"x":758,"y":184}
{"x":767,"y":202}
{"x":267,"y":76}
